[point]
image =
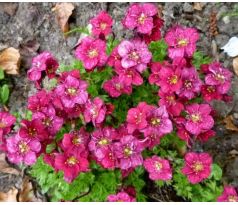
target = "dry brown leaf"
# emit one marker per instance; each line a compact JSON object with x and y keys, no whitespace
{"x":10,"y":196}
{"x":235,"y":65}
{"x":198,"y":6}
{"x":26,"y":194}
{"x":4,"y":166}
{"x":229,"y":123}
{"x":10,"y":60}
{"x":63,"y":12}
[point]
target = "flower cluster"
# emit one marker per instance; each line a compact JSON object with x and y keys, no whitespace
{"x":69,"y":107}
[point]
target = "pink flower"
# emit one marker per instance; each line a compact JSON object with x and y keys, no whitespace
{"x":6,"y":122}
{"x":101,"y":142}
{"x":155,"y":34}
{"x":197,"y":166}
{"x":158,"y":122}
{"x":128,"y":152}
{"x":191,"y":83}
{"x":75,"y":111}
{"x":116,"y":87}
{"x":101,"y":24}
{"x":39,"y":101}
{"x":22,"y":150}
{"x":199,"y":119}
{"x":3,"y":147}
{"x":158,"y":168}
{"x":135,"y":54}
{"x":120,"y":197}
{"x":204,"y":137}
{"x":181,"y":41}
{"x":92,"y":52}
{"x":170,"y":79}
{"x":136,"y":117}
{"x":72,"y":91}
{"x":154,"y":76}
{"x":95,"y":111}
{"x":173,"y":105}
{"x":219,"y":76}
{"x":184,"y":135}
{"x":114,"y":59}
{"x":229,"y":195}
{"x":33,"y":129}
{"x":129,"y":76}
{"x":152,"y":139}
{"x":73,"y":73}
{"x":76,"y":140}
{"x":139,"y":17}
{"x":210,"y":92}
{"x":71,"y":163}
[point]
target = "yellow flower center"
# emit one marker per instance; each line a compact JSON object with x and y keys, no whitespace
{"x":195,"y":117}
{"x":103,"y":26}
{"x":170,"y":99}
{"x":155,"y":121}
{"x":2,"y":125}
{"x":197,"y":167}
{"x":127,"y":152}
{"x":103,"y":141}
{"x":23,"y":147}
{"x":158,"y":166}
{"x":134,"y":56}
{"x":93,"y":53}
{"x":71,"y":91}
{"x":188,"y":84}
{"x":183,"y":42}
{"x":47,"y":122}
{"x":118,"y":86}
{"x":210,"y":89}
{"x":173,"y":79}
{"x":32,"y":131}
{"x":71,"y":161}
{"x":232,"y":198}
{"x":76,"y":140}
{"x":220,"y":77}
{"x":142,"y":19}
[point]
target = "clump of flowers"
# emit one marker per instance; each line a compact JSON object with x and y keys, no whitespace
{"x":119,"y":114}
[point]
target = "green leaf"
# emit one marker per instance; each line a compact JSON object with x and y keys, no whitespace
{"x":4,"y":93}
{"x":1,"y":74}
{"x":199,"y":59}
{"x":158,"y":50}
{"x":216,"y":172}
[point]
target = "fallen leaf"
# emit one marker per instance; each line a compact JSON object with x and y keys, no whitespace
{"x":26,"y":194}
{"x":10,"y":60}
{"x":10,"y":196}
{"x":4,"y":166}
{"x":229,"y":123}
{"x":235,"y":65}
{"x":63,"y":12}
{"x":231,"y":48}
{"x":198,"y":6}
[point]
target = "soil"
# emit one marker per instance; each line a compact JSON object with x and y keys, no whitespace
{"x":32,"y":28}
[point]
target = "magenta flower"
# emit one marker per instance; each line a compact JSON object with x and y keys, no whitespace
{"x":181,"y":41}
{"x":33,"y":130}
{"x":116,"y":87}
{"x":121,"y":197}
{"x":95,"y":111}
{"x":154,"y":76}
{"x":39,"y":101}
{"x":197,"y":166}
{"x":229,"y":195}
{"x":101,"y":24}
{"x":71,"y":163}
{"x":73,"y":73}
{"x":128,"y":152}
{"x":158,"y":122}
{"x":173,"y":105}
{"x":158,"y":168}
{"x":49,"y":119}
{"x":170,"y":79}
{"x":191,"y":83}
{"x":72,"y":91}
{"x":101,"y":141}
{"x":139,"y":17}
{"x":2,"y":141}
{"x":114,"y":59}
{"x":22,"y":150}
{"x":210,"y":92}
{"x":6,"y":122}
{"x":129,"y":76}
{"x":76,"y":140}
{"x":199,"y":119}
{"x":136,"y":117}
{"x":92,"y":52}
{"x":219,"y":76}
{"x":75,"y":111}
{"x":204,"y":137}
{"x":135,"y":54}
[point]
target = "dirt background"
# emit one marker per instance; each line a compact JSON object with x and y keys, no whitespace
{"x":32,"y":28}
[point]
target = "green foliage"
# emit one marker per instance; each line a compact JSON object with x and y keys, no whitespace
{"x":4,"y":93}
{"x":78,"y":30}
{"x":91,"y":186}
{"x":1,"y":74}
{"x":199,"y":59}
{"x":111,"y":44}
{"x":158,"y":50}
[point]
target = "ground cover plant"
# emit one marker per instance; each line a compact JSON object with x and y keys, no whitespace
{"x":122,"y":113}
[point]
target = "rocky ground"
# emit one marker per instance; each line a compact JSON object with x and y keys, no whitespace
{"x":32,"y":28}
